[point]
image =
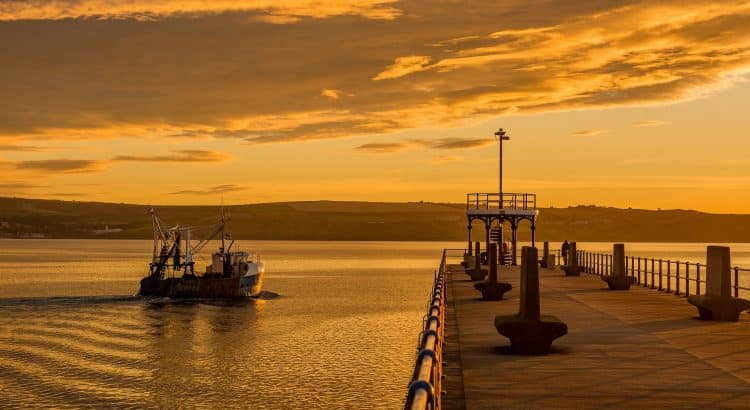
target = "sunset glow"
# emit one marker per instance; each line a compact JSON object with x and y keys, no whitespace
{"x":621,"y":103}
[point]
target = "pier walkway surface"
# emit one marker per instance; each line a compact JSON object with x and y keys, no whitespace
{"x":636,"y":349}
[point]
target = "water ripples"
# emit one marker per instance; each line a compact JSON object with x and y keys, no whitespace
{"x":324,"y":334}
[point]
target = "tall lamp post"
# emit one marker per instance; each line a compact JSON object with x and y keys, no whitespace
{"x":501,"y":136}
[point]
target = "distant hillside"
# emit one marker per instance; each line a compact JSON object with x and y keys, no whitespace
{"x":329,"y":220}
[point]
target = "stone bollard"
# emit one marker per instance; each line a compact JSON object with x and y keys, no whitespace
{"x":475,"y":271}
{"x":492,"y":289}
{"x":619,"y":279}
{"x":544,"y":262}
{"x":530,"y":332}
{"x":718,"y":303}
{"x":572,"y":268}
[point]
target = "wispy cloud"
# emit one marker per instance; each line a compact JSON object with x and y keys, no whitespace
{"x":404,"y":66}
{"x":65,"y":194}
{"x":458,"y":143}
{"x":439,"y":143}
{"x":177,"y":156}
{"x":271,"y":11}
{"x":651,"y":123}
{"x":446,"y":158}
{"x":78,"y":166}
{"x":63,"y":166}
{"x":19,"y":185}
{"x":332,"y":93}
{"x":384,"y":147}
{"x":218,"y":189}
{"x":588,"y":133}
{"x":20,"y":148}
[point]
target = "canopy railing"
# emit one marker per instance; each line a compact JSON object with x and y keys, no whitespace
{"x":491,"y":200}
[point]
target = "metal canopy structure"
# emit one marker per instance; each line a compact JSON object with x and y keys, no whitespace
{"x":501,"y":207}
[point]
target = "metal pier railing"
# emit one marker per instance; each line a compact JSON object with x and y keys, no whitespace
{"x":426,"y":386}
{"x":680,"y":278}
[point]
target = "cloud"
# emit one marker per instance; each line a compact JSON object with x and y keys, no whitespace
{"x":19,"y":186}
{"x":177,"y":156}
{"x":77,"y":166}
{"x":459,"y":143}
{"x":403,"y":66}
{"x":446,"y":158}
{"x":384,"y":147}
{"x":20,"y":148}
{"x":588,"y":133}
{"x":413,"y":64}
{"x":63,"y":166}
{"x":271,"y":11}
{"x":651,"y":123}
{"x":218,"y":189}
{"x":65,"y":194}
{"x":439,"y":143}
{"x":332,"y":94}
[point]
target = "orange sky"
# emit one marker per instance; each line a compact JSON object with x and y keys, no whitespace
{"x":621,"y":103}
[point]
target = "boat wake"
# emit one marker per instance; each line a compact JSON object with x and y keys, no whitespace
{"x":266,"y":295}
{"x":67,"y":300}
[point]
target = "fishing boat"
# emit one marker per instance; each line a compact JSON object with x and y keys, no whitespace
{"x":232,"y":274}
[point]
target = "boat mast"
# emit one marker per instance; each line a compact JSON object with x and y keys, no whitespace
{"x":223,"y":218}
{"x":188,"y":252}
{"x":154,"y":225}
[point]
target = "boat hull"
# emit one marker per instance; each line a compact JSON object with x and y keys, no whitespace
{"x":203,"y":288}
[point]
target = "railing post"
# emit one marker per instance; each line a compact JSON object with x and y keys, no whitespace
{"x":632,"y":266}
{"x":669,"y":279}
{"x":653,"y":273}
{"x":736,"y":282}
{"x":587,"y":261}
{"x":687,"y":279}
{"x":596,"y":263}
{"x":677,"y":278}
{"x":606,"y":264}
{"x":660,"y":275}
{"x":698,"y":279}
{"x":639,"y":270}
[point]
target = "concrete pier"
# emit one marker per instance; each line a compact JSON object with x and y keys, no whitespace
{"x":636,"y":349}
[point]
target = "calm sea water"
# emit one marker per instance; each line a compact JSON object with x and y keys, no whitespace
{"x":341,"y":334}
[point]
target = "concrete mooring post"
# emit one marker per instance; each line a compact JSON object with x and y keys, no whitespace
{"x":572,"y":268}
{"x":718,"y":303}
{"x":545,"y":256}
{"x":619,"y":279}
{"x":492,"y":289}
{"x":530,"y":332}
{"x":476,"y":272}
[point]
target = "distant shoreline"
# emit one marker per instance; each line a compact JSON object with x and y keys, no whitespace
{"x":364,"y":221}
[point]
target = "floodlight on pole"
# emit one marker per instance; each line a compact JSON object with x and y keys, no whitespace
{"x":501,"y":136}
